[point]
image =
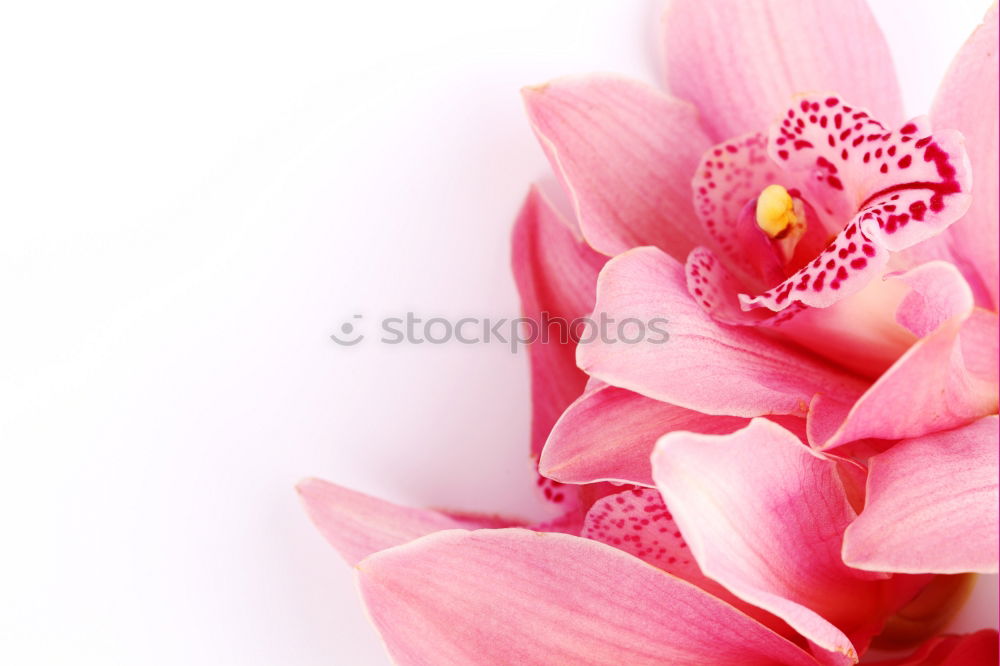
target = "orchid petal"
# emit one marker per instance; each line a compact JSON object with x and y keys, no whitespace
{"x":928,"y":492}
{"x":740,"y":62}
{"x":703,"y":366}
{"x":357,"y":525}
{"x":771,"y":533}
{"x":967,"y":101}
{"x":556,"y":274}
{"x":517,"y":597}
{"x":608,"y":434}
{"x":625,"y":153}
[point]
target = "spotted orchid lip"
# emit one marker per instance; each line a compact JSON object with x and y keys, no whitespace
{"x":911,"y":185}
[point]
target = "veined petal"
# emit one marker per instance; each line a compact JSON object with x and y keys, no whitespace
{"x":357,"y":525}
{"x":625,"y":153}
{"x":703,"y":365}
{"x":556,"y":274}
{"x":896,"y":188}
{"x":517,"y":597}
{"x":771,"y":533}
{"x":931,"y":505}
{"x":740,"y":62}
{"x":608,"y":434}
{"x":967,"y":101}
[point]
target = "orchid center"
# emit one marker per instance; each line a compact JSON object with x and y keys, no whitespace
{"x":781,"y":217}
{"x":776,"y":211}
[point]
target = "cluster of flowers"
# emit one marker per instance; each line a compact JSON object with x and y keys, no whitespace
{"x":809,"y":466}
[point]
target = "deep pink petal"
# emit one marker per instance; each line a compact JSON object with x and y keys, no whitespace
{"x":625,"y":153}
{"x":703,"y":365}
{"x":967,"y":101}
{"x":896,"y":188}
{"x":931,"y":505}
{"x":517,"y":597}
{"x":978,"y":649}
{"x":740,"y":62}
{"x":608,"y":434}
{"x":764,"y":515}
{"x":945,"y":380}
{"x":357,"y":525}
{"x":556,"y":273}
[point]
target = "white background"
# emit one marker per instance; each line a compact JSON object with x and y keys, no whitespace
{"x":193,"y":196}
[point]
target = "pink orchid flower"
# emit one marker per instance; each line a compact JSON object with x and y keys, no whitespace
{"x":815,"y":446}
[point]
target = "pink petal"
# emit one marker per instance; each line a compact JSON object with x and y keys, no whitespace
{"x":357,"y":525}
{"x":897,"y":188}
{"x":931,"y":505}
{"x":608,"y":434}
{"x":978,"y":649}
{"x":517,"y":597}
{"x":703,"y":366}
{"x":967,"y":101}
{"x":938,"y":292}
{"x":740,"y":62}
{"x":625,"y":153}
{"x":556,"y":273}
{"x":764,"y":515}
{"x":945,"y":380}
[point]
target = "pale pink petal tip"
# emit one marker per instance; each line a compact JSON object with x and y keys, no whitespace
{"x":625,"y":153}
{"x":357,"y":525}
